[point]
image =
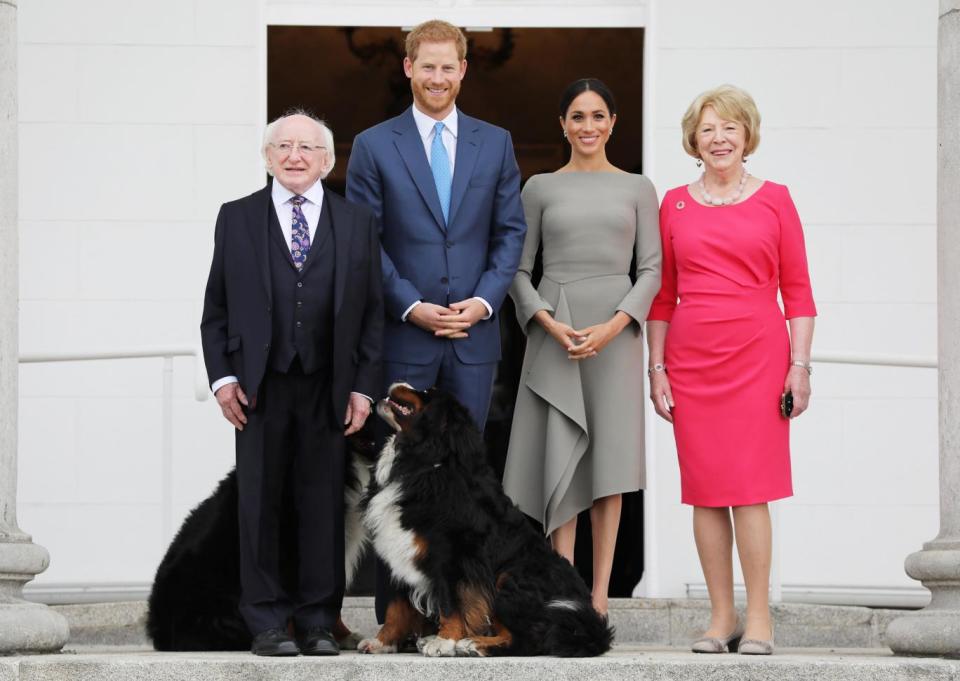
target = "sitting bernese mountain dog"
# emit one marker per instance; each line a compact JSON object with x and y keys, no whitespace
{"x":194,"y":602}
{"x":473,"y":566}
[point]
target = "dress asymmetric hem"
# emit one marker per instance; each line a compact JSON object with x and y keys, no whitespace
{"x":577,"y":431}
{"x":727,"y":348}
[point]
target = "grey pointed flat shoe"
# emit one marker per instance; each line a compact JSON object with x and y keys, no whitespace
{"x":718,"y":644}
{"x":752,"y":646}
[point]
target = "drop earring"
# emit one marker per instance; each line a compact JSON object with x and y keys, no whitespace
{"x":564,"y":134}
{"x":699,"y":163}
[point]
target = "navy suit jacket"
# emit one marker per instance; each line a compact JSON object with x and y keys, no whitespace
{"x":423,"y":258}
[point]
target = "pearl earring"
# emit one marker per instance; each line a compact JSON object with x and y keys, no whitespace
{"x":564,"y":134}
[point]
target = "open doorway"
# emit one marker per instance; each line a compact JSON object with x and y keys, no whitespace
{"x":353,"y":78}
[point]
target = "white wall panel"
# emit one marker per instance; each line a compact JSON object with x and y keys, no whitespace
{"x":228,"y":166}
{"x":116,"y":378}
{"x":113,"y":172}
{"x":854,"y":451}
{"x":884,"y":328}
{"x":793,"y":88}
{"x":55,"y":67}
{"x":166,"y":84}
{"x":52,"y":249}
{"x":697,"y":24}
{"x":161,"y":261}
{"x":96,"y":543}
{"x":888,"y":88}
{"x":118,"y":450}
{"x":853,"y":545}
{"x":890,"y":264}
{"x":48,"y":465}
{"x":118,"y":22}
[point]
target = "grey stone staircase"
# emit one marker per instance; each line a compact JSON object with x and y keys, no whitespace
{"x":651,"y":622}
{"x":814,"y":643}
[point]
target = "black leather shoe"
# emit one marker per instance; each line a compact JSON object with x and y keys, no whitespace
{"x":274,"y":643}
{"x":318,"y":641}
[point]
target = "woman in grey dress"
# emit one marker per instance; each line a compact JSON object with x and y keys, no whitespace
{"x":577,"y":435}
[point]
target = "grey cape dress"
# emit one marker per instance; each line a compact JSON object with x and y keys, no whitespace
{"x":577,"y":431}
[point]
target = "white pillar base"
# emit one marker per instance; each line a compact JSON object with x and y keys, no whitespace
{"x":26,"y":627}
{"x":934,"y":630}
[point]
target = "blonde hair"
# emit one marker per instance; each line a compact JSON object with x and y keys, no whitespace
{"x":435,"y":31}
{"x":731,"y":104}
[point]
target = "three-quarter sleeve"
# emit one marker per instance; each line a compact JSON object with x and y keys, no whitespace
{"x":665,"y":301}
{"x":525,"y":297}
{"x":647,"y":254}
{"x":794,"y":275}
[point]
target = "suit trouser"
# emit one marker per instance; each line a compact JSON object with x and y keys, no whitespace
{"x":471,"y":384}
{"x":288,"y":442}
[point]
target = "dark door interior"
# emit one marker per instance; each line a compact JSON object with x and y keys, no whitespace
{"x":353,"y":78}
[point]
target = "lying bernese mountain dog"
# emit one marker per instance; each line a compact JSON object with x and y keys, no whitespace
{"x":194,"y":602}
{"x":473,"y":565}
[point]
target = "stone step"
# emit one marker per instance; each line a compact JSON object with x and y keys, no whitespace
{"x":624,"y":663}
{"x":660,"y":622}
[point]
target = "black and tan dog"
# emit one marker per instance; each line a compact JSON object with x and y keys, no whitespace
{"x":473,"y":565}
{"x":194,"y":603}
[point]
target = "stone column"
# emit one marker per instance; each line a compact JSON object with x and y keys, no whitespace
{"x":24,"y":627}
{"x":935,"y":630}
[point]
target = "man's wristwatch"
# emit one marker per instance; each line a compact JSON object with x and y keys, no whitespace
{"x":802,"y":365}
{"x":658,"y":367}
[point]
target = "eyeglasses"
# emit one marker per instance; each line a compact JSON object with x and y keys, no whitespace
{"x":286,"y":148}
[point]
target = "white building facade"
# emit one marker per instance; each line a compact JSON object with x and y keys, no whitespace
{"x":137,"y":119}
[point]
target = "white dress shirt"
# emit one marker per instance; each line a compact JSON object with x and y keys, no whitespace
{"x":311,"y":208}
{"x":426,"y":126}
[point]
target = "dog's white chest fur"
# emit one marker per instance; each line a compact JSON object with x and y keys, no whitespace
{"x":393,"y":543}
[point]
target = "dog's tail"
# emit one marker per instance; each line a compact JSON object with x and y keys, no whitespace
{"x":577,"y":630}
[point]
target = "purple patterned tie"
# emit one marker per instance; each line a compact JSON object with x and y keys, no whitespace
{"x":299,"y":234}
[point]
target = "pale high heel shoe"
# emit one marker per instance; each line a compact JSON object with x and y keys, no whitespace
{"x":753,"y":646}
{"x":720,"y":644}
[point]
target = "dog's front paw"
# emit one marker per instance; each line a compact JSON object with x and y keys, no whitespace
{"x":467,"y":647}
{"x":422,"y":641}
{"x":434,"y":646}
{"x":350,"y":642}
{"x":373,"y":646}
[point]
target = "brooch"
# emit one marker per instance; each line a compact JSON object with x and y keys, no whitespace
{"x":680,"y":205}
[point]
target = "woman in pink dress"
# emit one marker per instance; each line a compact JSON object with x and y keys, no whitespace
{"x":721,"y":357}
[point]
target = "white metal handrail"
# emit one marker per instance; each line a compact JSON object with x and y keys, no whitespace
{"x":200,"y":392}
{"x":909,"y":361}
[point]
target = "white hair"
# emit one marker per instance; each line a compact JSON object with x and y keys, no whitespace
{"x":325,"y":133}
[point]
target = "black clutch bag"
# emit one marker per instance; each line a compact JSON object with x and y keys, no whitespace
{"x":786,"y":404}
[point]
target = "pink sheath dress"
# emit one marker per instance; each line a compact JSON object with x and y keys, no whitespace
{"x":727,"y":348}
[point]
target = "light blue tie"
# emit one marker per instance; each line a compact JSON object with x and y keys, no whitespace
{"x":440,"y":164}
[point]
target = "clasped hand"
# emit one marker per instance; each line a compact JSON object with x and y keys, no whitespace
{"x":448,"y":322}
{"x":584,"y":343}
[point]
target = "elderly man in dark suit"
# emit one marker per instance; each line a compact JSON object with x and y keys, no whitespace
{"x":292,"y":331}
